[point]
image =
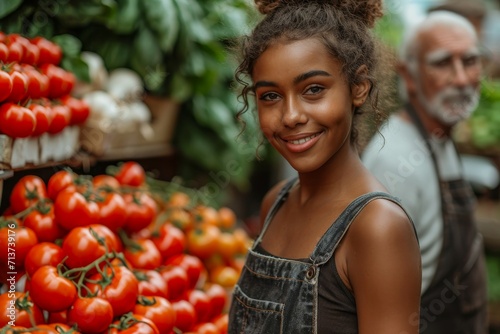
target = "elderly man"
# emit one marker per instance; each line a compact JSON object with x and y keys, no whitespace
{"x":415,"y":157}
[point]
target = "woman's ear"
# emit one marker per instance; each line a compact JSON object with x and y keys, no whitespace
{"x":361,"y":90}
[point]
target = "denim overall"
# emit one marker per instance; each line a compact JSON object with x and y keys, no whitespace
{"x":278,"y":295}
{"x":456,"y":300}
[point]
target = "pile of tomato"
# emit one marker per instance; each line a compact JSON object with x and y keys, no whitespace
{"x":107,"y":254}
{"x":35,"y":92}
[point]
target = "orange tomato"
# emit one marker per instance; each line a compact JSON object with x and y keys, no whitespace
{"x":226,"y":276}
{"x":206,"y":215}
{"x":180,"y":218}
{"x":228,"y":246}
{"x":179,"y":200}
{"x":203,"y":241}
{"x":227,"y":218}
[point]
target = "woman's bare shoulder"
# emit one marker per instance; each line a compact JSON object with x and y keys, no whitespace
{"x":270,"y":198}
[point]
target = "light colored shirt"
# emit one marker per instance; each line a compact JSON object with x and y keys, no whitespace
{"x":399,"y":158}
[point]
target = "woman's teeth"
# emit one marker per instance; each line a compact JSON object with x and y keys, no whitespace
{"x":303,"y":140}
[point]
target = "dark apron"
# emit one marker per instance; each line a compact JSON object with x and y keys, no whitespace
{"x":456,"y":300}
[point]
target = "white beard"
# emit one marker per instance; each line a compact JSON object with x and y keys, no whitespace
{"x":451,"y":105}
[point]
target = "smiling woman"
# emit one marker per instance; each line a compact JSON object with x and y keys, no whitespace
{"x":336,"y":253}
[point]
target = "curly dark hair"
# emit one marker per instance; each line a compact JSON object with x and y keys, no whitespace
{"x":344,"y":28}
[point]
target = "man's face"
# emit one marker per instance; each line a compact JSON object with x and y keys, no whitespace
{"x":449,"y":69}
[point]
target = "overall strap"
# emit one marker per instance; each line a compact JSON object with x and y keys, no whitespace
{"x":282,"y":196}
{"x":324,"y":249}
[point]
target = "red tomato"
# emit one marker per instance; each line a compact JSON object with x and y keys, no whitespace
{"x":206,"y":328}
{"x":221,"y":322}
{"x":20,"y":83}
{"x":42,"y":118}
{"x":176,"y":279}
{"x":27,"y":192}
{"x":105,"y":182}
{"x":133,"y":324}
{"x":44,"y":253}
{"x":31,"y":54}
{"x":54,"y":328}
{"x":50,"y":291}
{"x":72,"y":209}
{"x":203,"y":241}
{"x":143,"y":254}
{"x":191,"y":264}
{"x":16,"y":52}
{"x":157,"y":309}
{"x":60,"y":317}
{"x":61,"y":82}
{"x":151,"y":283}
{"x":59,"y":116}
{"x":169,"y":240}
{"x":185,"y":315}
{"x":79,"y":109}
{"x":4,"y":52}
{"x":59,"y":181}
{"x":131,"y":174}
{"x":113,"y":242}
{"x":19,"y":311}
{"x":15,"y":243}
{"x":42,"y":221}
{"x":218,"y":299}
{"x":201,"y":303}
{"x":16,"y":121}
{"x":141,"y":211}
{"x":91,"y":315}
{"x":112,"y":210}
{"x":38,"y":83}
{"x":121,"y":292}
{"x":50,"y":53}
{"x":5,"y":85}
{"x":82,"y":246}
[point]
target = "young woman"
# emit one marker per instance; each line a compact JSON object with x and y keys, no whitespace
{"x":336,"y":253}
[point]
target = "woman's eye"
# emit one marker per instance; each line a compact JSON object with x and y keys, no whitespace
{"x":269,"y":97}
{"x":314,"y":90}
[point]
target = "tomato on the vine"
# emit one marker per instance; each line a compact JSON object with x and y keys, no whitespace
{"x":59,"y":181}
{"x":55,"y":328}
{"x":157,"y":309}
{"x":120,"y":288}
{"x":105,"y":182}
{"x":18,"y":306}
{"x":51,"y":291}
{"x":185,"y":315}
{"x":133,"y":324}
{"x":84,"y":245}
{"x":112,"y":210}
{"x":15,"y":243}
{"x":44,"y":253}
{"x":131,"y":173}
{"x":42,"y":221}
{"x":151,"y":283}
{"x":16,"y":121}
{"x":141,"y":211}
{"x":169,"y":240}
{"x":91,"y":315}
{"x":5,"y":84}
{"x":176,"y":279}
{"x":142,"y":254}
{"x":73,"y":209}
{"x":191,"y":264}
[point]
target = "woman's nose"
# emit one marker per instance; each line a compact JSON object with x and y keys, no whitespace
{"x":293,"y":113}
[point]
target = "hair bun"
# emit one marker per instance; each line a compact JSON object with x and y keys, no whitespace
{"x":367,"y":11}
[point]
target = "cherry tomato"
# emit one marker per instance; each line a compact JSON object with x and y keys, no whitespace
{"x":91,"y":315}
{"x":16,"y":121}
{"x":133,"y":324}
{"x":79,"y":109}
{"x":59,"y":116}
{"x":185,"y":315}
{"x":157,"y":309}
{"x":50,"y":291}
{"x":169,"y":240}
{"x":44,"y":253}
{"x":83,"y":245}
{"x":15,"y":243}
{"x":42,"y":118}
{"x":50,"y":53}
{"x":143,"y":254}
{"x":131,"y":174}
{"x":203,"y":240}
{"x":121,"y":292}
{"x":141,"y":211}
{"x":61,"y":82}
{"x":16,"y":307}
{"x":201,"y":302}
{"x":191,"y":264}
{"x":72,"y":209}
{"x":151,"y":283}
{"x":176,"y":279}
{"x":20,"y":83}
{"x":59,"y":181}
{"x":42,"y":221}
{"x":5,"y":84}
{"x":112,"y":210}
